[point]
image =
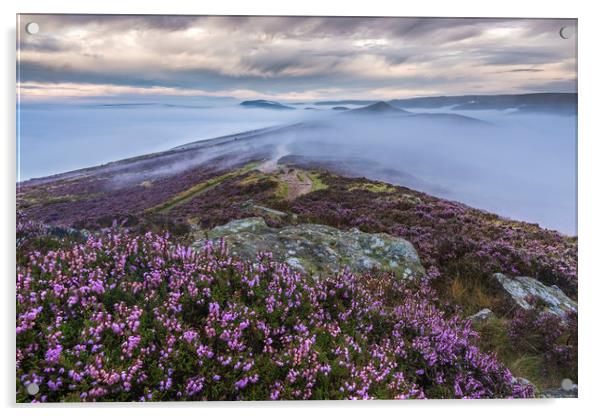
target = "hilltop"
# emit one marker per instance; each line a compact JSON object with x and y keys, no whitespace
{"x":383,"y":108}
{"x":549,"y":102}
{"x":380,"y":107}
{"x":269,"y":105}
{"x":538,"y":102}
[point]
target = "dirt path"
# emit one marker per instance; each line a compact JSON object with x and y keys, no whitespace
{"x":299,"y":183}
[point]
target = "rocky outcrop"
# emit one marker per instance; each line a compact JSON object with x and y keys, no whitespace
{"x":318,"y":249}
{"x":520,"y":288}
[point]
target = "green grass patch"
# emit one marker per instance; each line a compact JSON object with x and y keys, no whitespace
{"x":316,"y":182}
{"x":45,"y":199}
{"x":253,"y":178}
{"x":378,"y":188}
{"x":282,"y":190}
{"x":199,"y":188}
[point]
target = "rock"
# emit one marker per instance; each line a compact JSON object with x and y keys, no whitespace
{"x":519,"y":288}
{"x":561,"y":393}
{"x":482,"y":316}
{"x":250,"y":207}
{"x":318,"y":249}
{"x":62,"y":232}
{"x":523,"y":382}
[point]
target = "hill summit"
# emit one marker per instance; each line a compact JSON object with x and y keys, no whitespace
{"x":272,"y":105}
{"x":380,"y":107}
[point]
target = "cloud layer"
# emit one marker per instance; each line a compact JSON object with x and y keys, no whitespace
{"x":292,"y":58}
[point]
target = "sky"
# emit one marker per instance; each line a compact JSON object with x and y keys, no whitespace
{"x":290,"y":58}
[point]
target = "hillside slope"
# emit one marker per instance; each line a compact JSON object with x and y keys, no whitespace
{"x":190,"y":190}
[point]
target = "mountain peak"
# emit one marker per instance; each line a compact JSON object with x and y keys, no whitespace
{"x":380,"y":107}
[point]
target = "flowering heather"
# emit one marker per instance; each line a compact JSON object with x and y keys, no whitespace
{"x":541,"y":332}
{"x":451,"y":238}
{"x":95,"y":199}
{"x":27,"y":229}
{"x":139,"y":318}
{"x":458,"y":245}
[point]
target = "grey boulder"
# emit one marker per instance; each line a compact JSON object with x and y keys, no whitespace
{"x":519,"y":288}
{"x":317,"y":249}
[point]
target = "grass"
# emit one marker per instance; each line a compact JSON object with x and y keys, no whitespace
{"x":494,"y":338}
{"x":378,"y":188}
{"x":282,"y":186}
{"x":31,"y":200}
{"x":282,"y":190}
{"x":474,"y":296}
{"x":316,"y":182}
{"x":471,"y":294}
{"x":253,"y":178}
{"x":197,"y":189}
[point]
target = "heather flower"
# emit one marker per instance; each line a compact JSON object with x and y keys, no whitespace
{"x":169,"y":324}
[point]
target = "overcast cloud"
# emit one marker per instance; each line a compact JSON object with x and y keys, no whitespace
{"x":289,"y":58}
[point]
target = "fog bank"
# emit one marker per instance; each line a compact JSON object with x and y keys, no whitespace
{"x":521,"y":166}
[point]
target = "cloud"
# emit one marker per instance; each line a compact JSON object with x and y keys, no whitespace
{"x":520,"y":56}
{"x":280,"y":56}
{"x":525,"y":70}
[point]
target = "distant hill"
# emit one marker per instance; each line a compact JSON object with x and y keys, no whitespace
{"x":270,"y":105}
{"x":565,"y":103}
{"x":447,"y":117}
{"x":380,"y":107}
{"x":539,"y":102}
{"x":345,"y":102}
{"x":386,"y":109}
{"x":340,"y":108}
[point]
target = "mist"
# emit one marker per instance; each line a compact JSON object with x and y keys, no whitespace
{"x":520,"y":166}
{"x":55,"y":137}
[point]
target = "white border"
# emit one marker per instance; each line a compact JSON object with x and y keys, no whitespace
{"x":590,"y":138}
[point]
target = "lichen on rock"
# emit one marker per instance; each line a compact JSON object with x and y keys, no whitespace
{"x":318,"y":249}
{"x":520,"y":288}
